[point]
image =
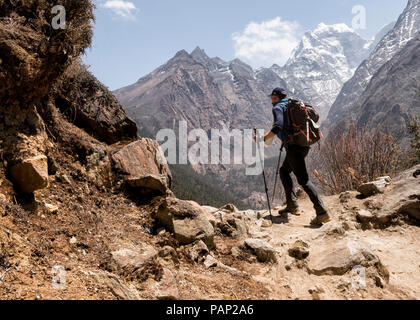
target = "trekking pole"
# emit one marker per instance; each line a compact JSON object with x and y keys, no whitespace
{"x":277,"y":173}
{"x":265,"y":181}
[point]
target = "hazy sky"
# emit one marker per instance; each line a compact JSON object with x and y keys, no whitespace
{"x":134,"y":37}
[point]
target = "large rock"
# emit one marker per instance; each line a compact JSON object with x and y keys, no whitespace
{"x":230,"y":225}
{"x":299,"y":250}
{"x":337,"y":258}
{"x":152,"y":182}
{"x":404,"y":198}
{"x":133,"y":258}
{"x":364,"y":216}
{"x":263,"y":250}
{"x":186,"y":219}
{"x":374,"y":187}
{"x":117,"y":287}
{"x":31,"y":174}
{"x":167,"y":286}
{"x":92,"y":107}
{"x":142,"y":158}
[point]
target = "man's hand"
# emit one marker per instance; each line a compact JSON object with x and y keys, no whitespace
{"x":267,"y":136}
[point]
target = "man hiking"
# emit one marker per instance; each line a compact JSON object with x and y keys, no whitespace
{"x":294,"y":162}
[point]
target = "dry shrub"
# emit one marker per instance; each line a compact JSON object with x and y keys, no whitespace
{"x":356,"y":156}
{"x":414,"y":130}
{"x":32,"y":53}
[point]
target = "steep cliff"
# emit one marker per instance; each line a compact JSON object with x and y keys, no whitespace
{"x":406,"y":28}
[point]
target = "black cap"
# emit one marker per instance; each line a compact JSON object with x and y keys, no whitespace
{"x":279,"y":92}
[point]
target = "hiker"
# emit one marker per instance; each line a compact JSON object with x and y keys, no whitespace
{"x":294,"y":162}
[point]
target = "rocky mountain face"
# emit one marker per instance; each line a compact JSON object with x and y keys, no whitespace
{"x":206,"y":92}
{"x":406,"y":28}
{"x":211,"y":93}
{"x":324,"y":60}
{"x":392,"y":96}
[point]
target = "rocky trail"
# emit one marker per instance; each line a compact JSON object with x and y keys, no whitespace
{"x":111,"y":247}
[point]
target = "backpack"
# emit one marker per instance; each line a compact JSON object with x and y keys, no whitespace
{"x":303,"y":120}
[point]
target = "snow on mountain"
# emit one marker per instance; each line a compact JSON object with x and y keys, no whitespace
{"x":404,"y":30}
{"x":324,"y":60}
{"x":392,"y":97}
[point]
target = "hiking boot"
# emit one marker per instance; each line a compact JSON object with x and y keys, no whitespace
{"x":294,"y":211}
{"x":321,"y":219}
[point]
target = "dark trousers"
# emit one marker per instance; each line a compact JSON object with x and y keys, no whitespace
{"x":295,"y":162}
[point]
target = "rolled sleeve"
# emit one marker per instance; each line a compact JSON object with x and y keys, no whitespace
{"x":278,"y":120}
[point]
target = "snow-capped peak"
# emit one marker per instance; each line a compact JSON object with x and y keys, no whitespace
{"x":334,"y":28}
{"x":322,"y":62}
{"x":392,"y":40}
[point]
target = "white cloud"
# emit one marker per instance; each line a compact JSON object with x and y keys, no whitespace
{"x":124,"y":9}
{"x":268,"y":42}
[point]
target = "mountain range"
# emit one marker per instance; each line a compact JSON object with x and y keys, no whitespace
{"x":350,"y":101}
{"x":344,"y":76}
{"x":324,"y":60}
{"x":206,"y":92}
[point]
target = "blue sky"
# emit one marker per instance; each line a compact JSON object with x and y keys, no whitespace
{"x":133,"y":37}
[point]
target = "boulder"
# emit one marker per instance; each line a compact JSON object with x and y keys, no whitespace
{"x":167,"y":286}
{"x":333,"y":228}
{"x":132,"y":258}
{"x":151,"y":182}
{"x":404,"y":198}
{"x":339,"y":257}
{"x":231,"y":226}
{"x":96,"y":110}
{"x":141,"y":158}
{"x":364,"y":216}
{"x":299,"y":250}
{"x":31,"y":174}
{"x":186,"y":219}
{"x":374,"y":187}
{"x":263,"y":250}
{"x":116,"y":285}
